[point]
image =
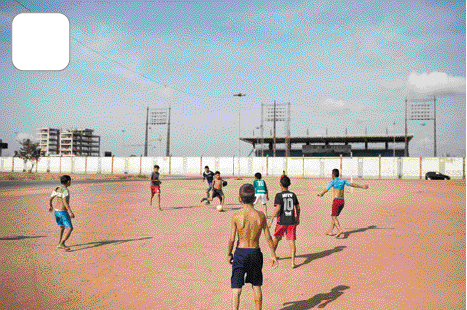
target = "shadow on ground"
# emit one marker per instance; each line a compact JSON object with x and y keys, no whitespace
{"x":346,"y":234}
{"x":320,"y":300}
{"x":187,"y":207}
{"x":312,"y":256}
{"x":21,"y":237}
{"x":91,"y":245}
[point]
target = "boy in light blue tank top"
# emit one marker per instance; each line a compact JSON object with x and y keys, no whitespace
{"x":338,"y":202}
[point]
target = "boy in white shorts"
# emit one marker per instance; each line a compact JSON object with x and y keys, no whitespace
{"x":261,"y":192}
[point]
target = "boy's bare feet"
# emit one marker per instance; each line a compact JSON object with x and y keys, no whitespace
{"x":292,"y":265}
{"x":339,"y":233}
{"x":63,"y":247}
{"x":329,"y":233}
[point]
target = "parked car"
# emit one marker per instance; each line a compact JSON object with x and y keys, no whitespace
{"x":436,"y":176}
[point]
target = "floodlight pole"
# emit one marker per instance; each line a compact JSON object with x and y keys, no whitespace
{"x":146,"y":137}
{"x":405,"y":148}
{"x":434,"y":107}
{"x":287,"y":144}
{"x":274,"y":121}
{"x":168,"y":134}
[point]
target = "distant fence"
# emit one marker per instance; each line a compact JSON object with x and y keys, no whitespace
{"x":360,"y":167}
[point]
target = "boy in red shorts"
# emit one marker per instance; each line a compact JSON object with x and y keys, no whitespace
{"x":287,"y":210}
{"x":338,"y":202}
{"x":156,"y":186}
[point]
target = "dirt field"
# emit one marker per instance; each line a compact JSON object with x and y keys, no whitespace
{"x":404,"y":248}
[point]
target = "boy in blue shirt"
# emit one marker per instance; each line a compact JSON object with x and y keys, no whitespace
{"x":261,"y":192}
{"x":208,"y":175}
{"x":338,"y":202}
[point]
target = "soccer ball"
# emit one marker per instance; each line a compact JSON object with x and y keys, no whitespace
{"x":219,"y":208}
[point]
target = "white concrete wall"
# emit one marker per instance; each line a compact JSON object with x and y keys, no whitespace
{"x":312,"y":167}
{"x":349,"y":167}
{"x":370,"y":167}
{"x":93,"y":165}
{"x":366,"y":167}
{"x":389,"y":167}
{"x":430,"y":164}
{"x":224,"y":165}
{"x":453,"y":167}
{"x":411,"y":168}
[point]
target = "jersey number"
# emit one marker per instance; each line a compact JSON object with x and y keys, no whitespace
{"x":288,"y":206}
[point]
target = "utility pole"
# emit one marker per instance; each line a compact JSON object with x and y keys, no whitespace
{"x":262,"y":130}
{"x":274,"y":121}
{"x":160,"y":140}
{"x":287,"y":143}
{"x":168,"y":135}
{"x":434,"y":106}
{"x":146,"y":137}
{"x":405,"y":148}
{"x":239,"y":95}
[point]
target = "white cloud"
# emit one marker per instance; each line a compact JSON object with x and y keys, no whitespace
{"x":435,"y":83}
{"x":393,"y":84}
{"x":24,"y":136}
{"x":339,"y":106}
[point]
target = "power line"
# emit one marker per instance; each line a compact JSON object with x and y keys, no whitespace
{"x":162,"y":85}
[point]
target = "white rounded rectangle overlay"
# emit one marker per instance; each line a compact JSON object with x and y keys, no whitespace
{"x":40,"y":41}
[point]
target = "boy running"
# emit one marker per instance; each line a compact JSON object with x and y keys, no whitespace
{"x":156,"y":186}
{"x":218,"y":183}
{"x":63,"y":213}
{"x":248,"y":259}
{"x":208,"y":175}
{"x":338,"y":202}
{"x":261,"y":192}
{"x":287,"y":210}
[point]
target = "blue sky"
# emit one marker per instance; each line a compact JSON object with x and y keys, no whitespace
{"x":341,"y":64}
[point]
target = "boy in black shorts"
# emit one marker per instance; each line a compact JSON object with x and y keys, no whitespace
{"x":247,"y":224}
{"x":208,"y":175}
{"x":217,"y":185}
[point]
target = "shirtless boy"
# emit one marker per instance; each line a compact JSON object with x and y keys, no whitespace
{"x":287,"y":210}
{"x":63,"y":213}
{"x":217,"y":185}
{"x":338,"y":202}
{"x":248,"y":259}
{"x":156,"y":186}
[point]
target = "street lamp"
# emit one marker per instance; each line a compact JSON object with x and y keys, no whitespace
{"x":424,"y":140}
{"x":123,"y":141}
{"x":239,"y":95}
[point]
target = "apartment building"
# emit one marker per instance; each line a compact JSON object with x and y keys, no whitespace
{"x":71,"y":142}
{"x":49,"y":140}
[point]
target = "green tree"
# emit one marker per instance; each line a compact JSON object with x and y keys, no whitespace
{"x":29,"y":151}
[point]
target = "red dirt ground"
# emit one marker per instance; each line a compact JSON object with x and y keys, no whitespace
{"x":404,"y":248}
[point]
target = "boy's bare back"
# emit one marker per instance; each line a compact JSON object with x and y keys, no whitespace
{"x":249,"y":223}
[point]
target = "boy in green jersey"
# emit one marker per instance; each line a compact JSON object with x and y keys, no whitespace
{"x":261,"y":192}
